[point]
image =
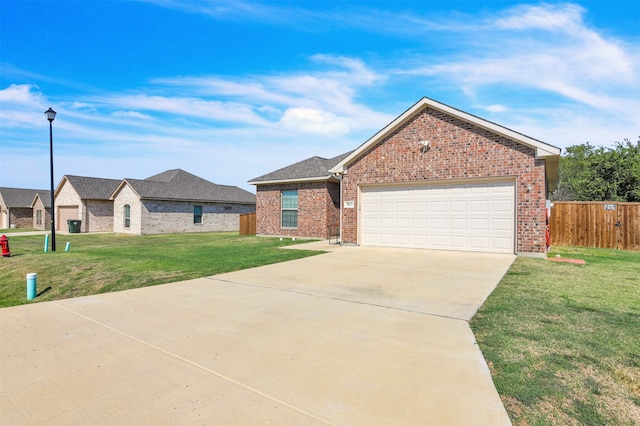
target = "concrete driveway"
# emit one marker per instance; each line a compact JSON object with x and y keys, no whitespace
{"x":358,"y":336}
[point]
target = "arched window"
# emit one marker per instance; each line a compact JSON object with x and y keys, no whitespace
{"x":127,"y":216}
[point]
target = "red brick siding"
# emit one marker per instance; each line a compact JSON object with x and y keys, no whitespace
{"x":318,"y":209}
{"x":458,"y":150}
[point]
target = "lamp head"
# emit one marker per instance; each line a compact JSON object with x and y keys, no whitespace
{"x":51,"y":114}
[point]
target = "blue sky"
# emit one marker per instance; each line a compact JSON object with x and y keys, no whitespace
{"x":231,"y":90}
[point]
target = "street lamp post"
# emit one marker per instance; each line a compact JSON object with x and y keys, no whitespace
{"x":51,"y":115}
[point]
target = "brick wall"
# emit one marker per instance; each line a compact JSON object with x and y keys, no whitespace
{"x":46,"y":215}
{"x":177,"y":216}
{"x":127,"y":196}
{"x":458,"y":150}
{"x":318,"y":209}
{"x":157,"y":217}
{"x":98,"y":216}
{"x":67,"y":196}
{"x":21,"y":217}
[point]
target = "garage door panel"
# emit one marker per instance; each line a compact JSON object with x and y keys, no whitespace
{"x":438,"y":241}
{"x":480,"y":243}
{"x":498,"y":206}
{"x":479,"y":206}
{"x":502,"y":224}
{"x":502,"y":243}
{"x":420,"y":223}
{"x":458,"y":206}
{"x":385,"y":223}
{"x":438,"y":224}
{"x":479,"y":224}
{"x":458,"y":242}
{"x":458,"y":224}
{"x":438,"y":207}
{"x":477,"y":216}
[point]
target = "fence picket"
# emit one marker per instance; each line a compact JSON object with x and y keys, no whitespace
{"x":248,"y":224}
{"x":593,"y":224}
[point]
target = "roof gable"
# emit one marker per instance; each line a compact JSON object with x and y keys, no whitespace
{"x":542,"y":149}
{"x":179,"y":185}
{"x":311,"y":169}
{"x":89,"y":187}
{"x":44,"y":197}
{"x":19,"y":197}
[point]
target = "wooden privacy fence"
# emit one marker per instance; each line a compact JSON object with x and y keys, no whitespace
{"x":248,"y":224}
{"x":595,"y":224}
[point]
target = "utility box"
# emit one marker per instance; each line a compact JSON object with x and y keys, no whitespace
{"x":74,"y":226}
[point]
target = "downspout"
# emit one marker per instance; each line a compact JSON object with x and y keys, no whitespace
{"x":340,"y":209}
{"x":339,"y":176}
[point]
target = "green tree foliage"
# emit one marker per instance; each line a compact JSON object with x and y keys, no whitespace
{"x":589,"y":173}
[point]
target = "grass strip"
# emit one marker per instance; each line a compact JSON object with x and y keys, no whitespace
{"x":562,"y":340}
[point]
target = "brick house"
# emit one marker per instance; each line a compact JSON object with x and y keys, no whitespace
{"x":177,"y":201}
{"x":86,"y":199}
{"x":435,"y":178}
{"x":16,"y":208}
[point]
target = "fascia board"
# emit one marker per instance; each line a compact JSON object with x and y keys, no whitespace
{"x":281,"y":181}
{"x":59,"y":187}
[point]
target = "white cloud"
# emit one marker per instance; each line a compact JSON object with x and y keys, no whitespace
{"x":132,"y":114}
{"x":560,"y":17}
{"x":314,"y":121}
{"x":495,"y":108}
{"x":20,"y":94}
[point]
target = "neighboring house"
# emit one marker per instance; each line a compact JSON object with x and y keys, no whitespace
{"x":86,"y":199}
{"x":435,"y":178}
{"x":177,"y":201}
{"x":41,"y":206}
{"x":16,"y":207}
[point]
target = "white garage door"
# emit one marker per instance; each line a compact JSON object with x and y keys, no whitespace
{"x":477,"y":216}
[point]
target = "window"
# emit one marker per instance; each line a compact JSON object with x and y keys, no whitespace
{"x":197,"y":214}
{"x":290,"y":208}
{"x":127,"y":216}
{"x":38,"y":217}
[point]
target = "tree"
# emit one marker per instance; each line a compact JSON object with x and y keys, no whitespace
{"x":588,"y":173}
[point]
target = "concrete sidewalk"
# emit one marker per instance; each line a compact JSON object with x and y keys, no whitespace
{"x":349,"y":337}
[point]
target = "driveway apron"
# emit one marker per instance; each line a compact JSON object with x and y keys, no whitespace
{"x":358,"y":336}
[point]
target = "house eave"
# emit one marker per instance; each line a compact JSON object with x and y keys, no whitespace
{"x":193,"y":200}
{"x":327,"y":178}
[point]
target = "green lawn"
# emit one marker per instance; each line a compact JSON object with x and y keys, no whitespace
{"x":17,"y":230}
{"x":102,"y":263}
{"x":563,"y":341}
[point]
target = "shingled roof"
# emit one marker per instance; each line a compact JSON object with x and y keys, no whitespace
{"x":90,"y":188}
{"x":179,"y":185}
{"x":18,"y":197}
{"x":314,"y":168}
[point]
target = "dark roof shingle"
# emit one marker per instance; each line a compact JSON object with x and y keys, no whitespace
{"x":93,"y":188}
{"x":19,"y":197}
{"x":177,"y":184}
{"x":314,"y":167}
